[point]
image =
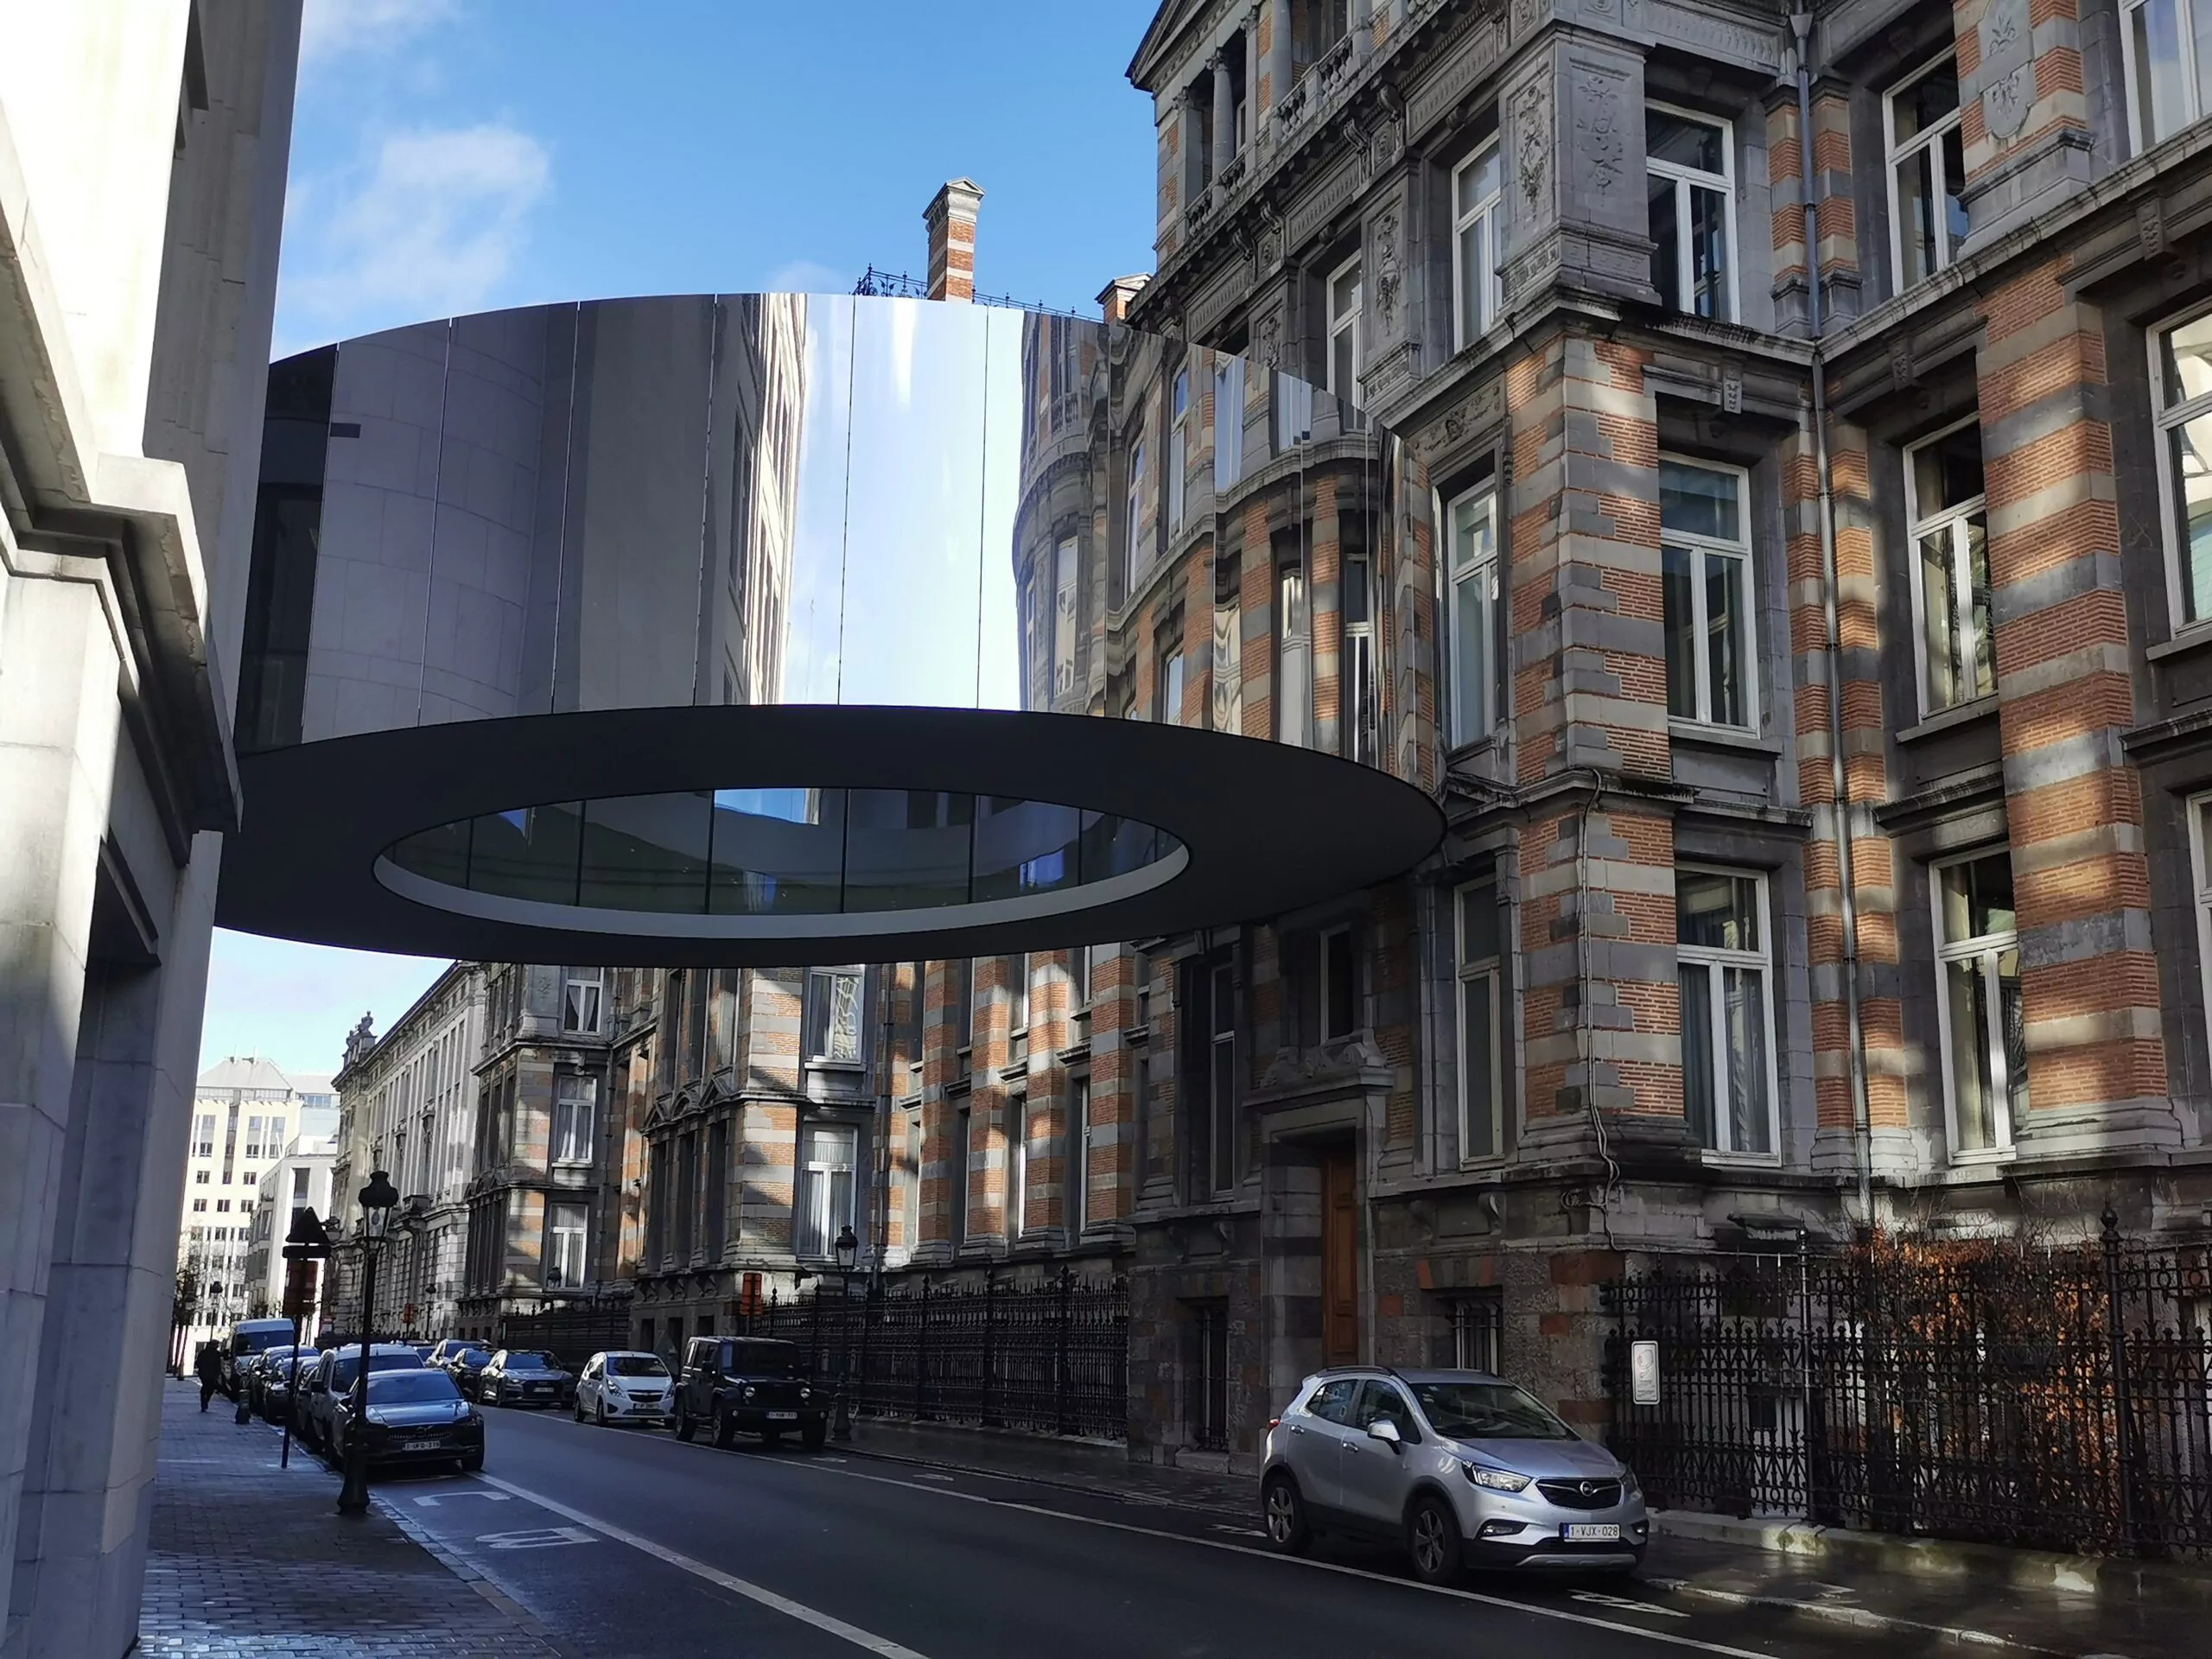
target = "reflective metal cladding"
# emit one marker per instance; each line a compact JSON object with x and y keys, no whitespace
{"x":776,"y":628}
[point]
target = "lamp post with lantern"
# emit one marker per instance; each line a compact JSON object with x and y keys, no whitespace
{"x":379,"y":1199}
{"x":848,"y":1249}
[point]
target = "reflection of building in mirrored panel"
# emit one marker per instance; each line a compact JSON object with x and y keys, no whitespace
{"x":689,"y":623}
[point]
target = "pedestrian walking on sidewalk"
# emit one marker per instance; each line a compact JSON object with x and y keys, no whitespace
{"x":209,"y":1370}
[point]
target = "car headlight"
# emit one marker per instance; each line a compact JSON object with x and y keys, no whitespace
{"x":747,"y":1393}
{"x":1629,"y":1488}
{"x":1498,"y":1480}
{"x":805,"y":1393}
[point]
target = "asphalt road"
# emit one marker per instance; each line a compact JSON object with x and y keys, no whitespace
{"x":627,"y":1541}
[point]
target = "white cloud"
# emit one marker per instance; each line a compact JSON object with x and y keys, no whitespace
{"x":333,"y":28}
{"x":807,"y":277}
{"x":433,"y":228}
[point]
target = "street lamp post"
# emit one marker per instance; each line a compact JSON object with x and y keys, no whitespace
{"x":849,"y":1249}
{"x":377,"y":1198}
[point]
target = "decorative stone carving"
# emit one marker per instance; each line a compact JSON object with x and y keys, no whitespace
{"x":2006,"y":70}
{"x":1532,"y":119}
{"x":2005,"y":103}
{"x":1731,"y":388}
{"x":2150,"y":226}
{"x":1332,"y":1062}
{"x":1475,"y":413}
{"x":1526,"y":15}
{"x":1389,"y":271}
{"x":1600,"y":144}
{"x":1267,"y":338}
{"x":1902,"y":373}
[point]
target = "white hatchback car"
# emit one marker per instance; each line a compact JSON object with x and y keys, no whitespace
{"x":623,"y":1387}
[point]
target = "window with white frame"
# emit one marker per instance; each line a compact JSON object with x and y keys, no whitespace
{"x":1724,"y":966}
{"x":1064,"y":616}
{"x":1167,"y":686}
{"x":1949,"y":538}
{"x":1136,"y":555}
{"x":1017,"y":992}
{"x":1344,"y":331}
{"x":1179,"y":449}
{"x":1692,"y":183}
{"x":1221,"y":1076}
{"x":1985,"y":1040}
{"x":1481,"y":970}
{"x":1227,"y":421}
{"x":1928,"y":169}
{"x":575,"y":1095}
{"x":1017,"y":1164}
{"x":580,"y":998}
{"x":1078,"y":1153}
{"x":912,"y":1209}
{"x":1472,"y":614}
{"x":2167,"y":51}
{"x":1355,"y":669}
{"x":1705,"y":559}
{"x":2180,"y":390}
{"x":1477,"y":219}
{"x":1339,"y":985}
{"x":833,"y":1015}
{"x":1293,"y":658}
{"x":565,"y":1246}
{"x":822,"y":1204}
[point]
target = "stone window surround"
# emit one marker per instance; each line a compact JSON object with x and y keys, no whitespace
{"x":2166,"y":419}
{"x":1944,"y":519}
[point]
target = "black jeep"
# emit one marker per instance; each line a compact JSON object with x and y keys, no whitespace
{"x":748,"y":1385}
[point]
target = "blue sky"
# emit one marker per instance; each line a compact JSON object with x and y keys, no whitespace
{"x":451,"y":155}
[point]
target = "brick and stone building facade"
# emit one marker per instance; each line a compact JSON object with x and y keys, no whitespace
{"x":1804,"y":639}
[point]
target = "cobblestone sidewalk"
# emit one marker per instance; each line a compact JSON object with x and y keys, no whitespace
{"x":251,"y":1562}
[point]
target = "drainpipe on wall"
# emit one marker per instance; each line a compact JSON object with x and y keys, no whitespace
{"x":1801,"y":24}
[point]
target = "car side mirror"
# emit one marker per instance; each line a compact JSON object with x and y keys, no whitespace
{"x":1384,"y":1430}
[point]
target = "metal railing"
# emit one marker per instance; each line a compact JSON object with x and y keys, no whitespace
{"x":889,"y":285}
{"x":2050,"y":1396}
{"x":1050,"y":1356}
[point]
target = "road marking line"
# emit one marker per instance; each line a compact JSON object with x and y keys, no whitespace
{"x":880,"y":1645}
{"x":489,"y":1497}
{"x":1627,"y":1603}
{"x":536,"y":1538}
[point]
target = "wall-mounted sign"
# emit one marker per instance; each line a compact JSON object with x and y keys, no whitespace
{"x":1643,"y":1373}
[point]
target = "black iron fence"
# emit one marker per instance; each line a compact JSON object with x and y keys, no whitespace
{"x":2051,"y":1396}
{"x":572,"y":1333}
{"x":1050,"y":1356}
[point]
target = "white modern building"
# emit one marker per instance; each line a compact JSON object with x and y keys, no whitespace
{"x":246,"y":1112}
{"x":142,"y":155}
{"x":299,"y":1179}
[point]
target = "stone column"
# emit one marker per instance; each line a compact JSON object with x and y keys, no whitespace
{"x":1278,"y":48}
{"x":59,"y":726}
{"x":1225,"y":115}
{"x":1834,"y":205}
{"x":2073,"y":802}
{"x":1576,"y":208}
{"x":2025,"y":119}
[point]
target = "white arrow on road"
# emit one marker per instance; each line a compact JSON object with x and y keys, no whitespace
{"x":536,"y":1538}
{"x":433,"y":1502}
{"x":1628,"y":1603}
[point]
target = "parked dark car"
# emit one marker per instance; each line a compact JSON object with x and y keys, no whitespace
{"x":442,"y":1353}
{"x":258,"y":1371}
{"x":416,"y":1419}
{"x":333,"y":1378}
{"x":249,"y":1338}
{"x":274,"y":1382}
{"x":524,"y":1377}
{"x":748,"y":1385}
{"x":467,"y":1370}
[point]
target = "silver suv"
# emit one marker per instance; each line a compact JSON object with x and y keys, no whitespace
{"x":1461,"y":1467}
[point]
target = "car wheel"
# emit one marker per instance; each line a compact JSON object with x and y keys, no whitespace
{"x":577,"y":1410}
{"x":725,"y":1429}
{"x":686,"y":1430}
{"x":1432,"y":1539}
{"x":811,"y":1439}
{"x":1284,"y":1509}
{"x":598,"y":1413}
{"x":473,"y":1463}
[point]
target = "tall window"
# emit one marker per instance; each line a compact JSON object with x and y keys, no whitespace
{"x":1292,"y":402}
{"x":1928,"y":169}
{"x":1481,"y":971}
{"x":1475,"y":1326}
{"x":957,"y":1174}
{"x":1219,"y":999}
{"x":2166,"y":46}
{"x":1477,"y":216}
{"x":717,"y":1187}
{"x":1178,"y":450}
{"x":1950,"y":543}
{"x":1472,"y":603}
{"x":1227,"y":422}
{"x":1339,"y":986}
{"x":1356,"y":667}
{"x":1293,"y":658}
{"x":660,"y":1202}
{"x":823,"y":1204}
{"x":1078,"y":1213}
{"x":2181,"y":387}
{"x":1692,"y":199}
{"x":1706,"y":568}
{"x":833,"y":1015}
{"x":1228,"y":681}
{"x":580,"y":996}
{"x":205,"y":1134}
{"x":1167,"y":684}
{"x":1344,"y":331}
{"x":564,"y":1247}
{"x":1134,"y":560}
{"x":911,"y":1232}
{"x":1064,"y":616}
{"x":963,"y":1002}
{"x":575,"y":1095}
{"x":1724,"y":964}
{"x":1984,"y":1040}
{"x":1017,"y":1165}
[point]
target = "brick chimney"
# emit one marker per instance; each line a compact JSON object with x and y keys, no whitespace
{"x":952,"y":221}
{"x":1118,"y":295}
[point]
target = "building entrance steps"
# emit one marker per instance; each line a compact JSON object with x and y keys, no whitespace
{"x":1919,"y":1589}
{"x":250,"y":1560}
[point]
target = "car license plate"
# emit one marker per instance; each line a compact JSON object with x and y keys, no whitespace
{"x":420,"y":1445}
{"x":783,"y":1416}
{"x":1591,"y":1532}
